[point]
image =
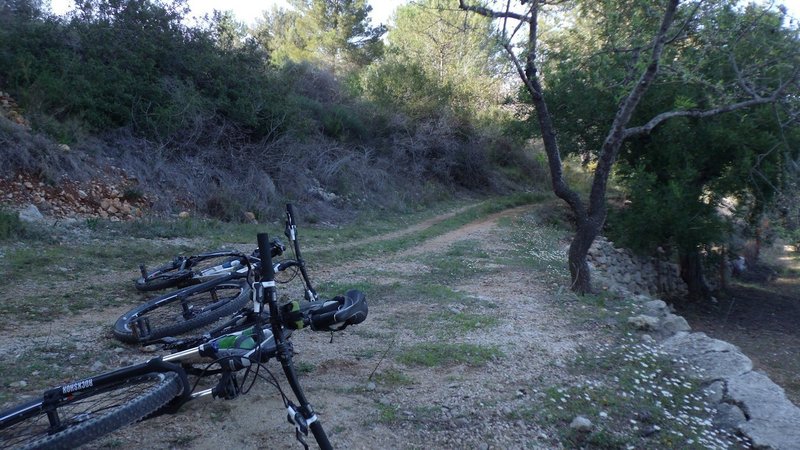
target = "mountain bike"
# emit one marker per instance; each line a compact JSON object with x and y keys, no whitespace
{"x":201,"y":305}
{"x":185,"y":271}
{"x":75,"y":413}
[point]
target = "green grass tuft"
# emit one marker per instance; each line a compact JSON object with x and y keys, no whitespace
{"x":444,"y":354}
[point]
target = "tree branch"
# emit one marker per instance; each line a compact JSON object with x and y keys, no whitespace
{"x":486,"y":12}
{"x":529,"y":76}
{"x":661,"y":118}
{"x":616,"y":135}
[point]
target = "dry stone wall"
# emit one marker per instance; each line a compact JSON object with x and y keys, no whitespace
{"x":620,"y":268}
{"x":744,"y":400}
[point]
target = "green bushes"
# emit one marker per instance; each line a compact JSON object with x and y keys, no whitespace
{"x":133,"y":64}
{"x":10,"y":225}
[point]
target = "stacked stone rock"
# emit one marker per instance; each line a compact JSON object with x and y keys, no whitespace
{"x":10,"y":110}
{"x":633,"y":273}
{"x":69,"y":199}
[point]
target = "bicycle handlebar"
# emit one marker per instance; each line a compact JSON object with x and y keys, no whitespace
{"x":267,"y":269}
{"x":339,"y":312}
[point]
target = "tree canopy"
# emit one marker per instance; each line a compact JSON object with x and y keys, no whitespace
{"x":618,"y":70}
{"x":335,"y":33}
{"x":437,"y":57}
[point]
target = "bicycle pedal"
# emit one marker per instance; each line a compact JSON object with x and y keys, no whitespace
{"x":141,"y":328}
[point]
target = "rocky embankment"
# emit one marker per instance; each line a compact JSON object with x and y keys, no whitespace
{"x":71,"y":200}
{"x":746,"y":400}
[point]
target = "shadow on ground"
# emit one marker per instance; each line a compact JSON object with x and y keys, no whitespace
{"x":763,"y":319}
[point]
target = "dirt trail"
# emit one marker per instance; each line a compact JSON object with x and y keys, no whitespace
{"x":395,"y":234}
{"x":365,"y":397}
{"x":452,"y":407}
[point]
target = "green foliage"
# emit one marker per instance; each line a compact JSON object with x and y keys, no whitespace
{"x":445,"y":354}
{"x":116,"y":63}
{"x":10,"y":225}
{"x":437,"y":59}
{"x":406,"y":85}
{"x":336,"y":34}
{"x":677,"y":176}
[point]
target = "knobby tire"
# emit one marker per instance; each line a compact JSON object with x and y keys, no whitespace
{"x":94,"y":412}
{"x":169,"y":318}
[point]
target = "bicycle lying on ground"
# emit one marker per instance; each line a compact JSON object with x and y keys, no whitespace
{"x":75,"y":413}
{"x":198,"y":306}
{"x":185,"y":271}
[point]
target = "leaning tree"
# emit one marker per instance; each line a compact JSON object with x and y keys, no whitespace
{"x":650,"y":29}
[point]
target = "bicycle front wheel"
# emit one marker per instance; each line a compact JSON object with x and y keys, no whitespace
{"x":182,"y":311}
{"x":87,"y":414}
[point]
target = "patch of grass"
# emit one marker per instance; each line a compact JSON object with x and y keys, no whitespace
{"x":423,"y":291}
{"x":213,"y":231}
{"x":375,"y":222}
{"x":449,"y":323}
{"x":461,"y":260}
{"x":304,"y":367}
{"x":47,"y":304}
{"x":445,"y":354}
{"x":537,"y":248}
{"x":73,"y":262}
{"x":43,"y":367}
{"x":410,"y":240}
{"x":393,"y":378}
{"x":387,"y":413}
{"x":10,"y":225}
{"x":370,"y":290}
{"x":428,"y":292}
{"x":366,"y":353}
{"x":33,"y":261}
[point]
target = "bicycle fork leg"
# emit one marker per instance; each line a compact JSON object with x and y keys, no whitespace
{"x":310,"y":421}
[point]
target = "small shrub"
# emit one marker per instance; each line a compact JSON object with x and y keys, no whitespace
{"x":10,"y":225}
{"x":225,"y":207}
{"x":132,"y":194}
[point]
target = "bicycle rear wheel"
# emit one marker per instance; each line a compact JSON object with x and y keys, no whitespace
{"x":182,"y":311}
{"x":182,"y":271}
{"x":88,"y":414}
{"x":164,"y":277}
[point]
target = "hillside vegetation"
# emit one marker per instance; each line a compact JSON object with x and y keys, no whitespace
{"x":138,"y":106}
{"x":207,"y":117}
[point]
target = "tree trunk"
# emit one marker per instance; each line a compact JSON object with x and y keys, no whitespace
{"x":692,"y":275}
{"x":578,"y":250}
{"x":589,"y":219}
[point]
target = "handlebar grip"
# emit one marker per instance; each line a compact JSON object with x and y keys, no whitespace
{"x":290,"y":214}
{"x":267,"y":271}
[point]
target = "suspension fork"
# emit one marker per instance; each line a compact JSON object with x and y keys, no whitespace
{"x":266,"y":292}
